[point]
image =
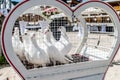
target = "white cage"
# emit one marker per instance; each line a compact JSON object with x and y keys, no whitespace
{"x":47,"y":40}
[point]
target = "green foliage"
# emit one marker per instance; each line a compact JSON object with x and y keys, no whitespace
{"x":3,"y":60}
{"x":44,"y":14}
{"x":57,"y":12}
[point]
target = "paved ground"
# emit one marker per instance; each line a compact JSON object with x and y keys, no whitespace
{"x":114,"y":72}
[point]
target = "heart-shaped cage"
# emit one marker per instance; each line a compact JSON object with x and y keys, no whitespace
{"x":48,"y":39}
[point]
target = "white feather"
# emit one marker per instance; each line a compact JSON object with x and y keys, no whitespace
{"x":17,"y":44}
{"x":34,"y":55}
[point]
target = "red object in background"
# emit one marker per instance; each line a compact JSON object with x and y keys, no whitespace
{"x":50,"y":10}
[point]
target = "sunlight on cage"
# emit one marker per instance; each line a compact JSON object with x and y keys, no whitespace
{"x":46,"y":37}
{"x":101,"y":38}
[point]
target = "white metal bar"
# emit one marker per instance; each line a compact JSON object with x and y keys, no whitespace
{"x":98,"y":46}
